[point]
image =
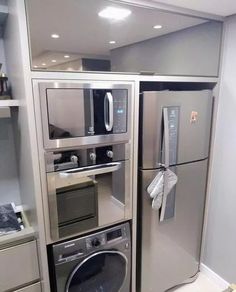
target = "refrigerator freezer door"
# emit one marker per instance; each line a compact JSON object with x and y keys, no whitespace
{"x":189,"y":124}
{"x":170,"y":250}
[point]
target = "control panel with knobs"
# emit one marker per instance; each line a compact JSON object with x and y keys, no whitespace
{"x":92,"y":156}
{"x":110,"y":154}
{"x":74,"y":159}
{"x":96,"y":242}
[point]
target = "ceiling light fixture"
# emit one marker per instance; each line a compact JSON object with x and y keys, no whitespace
{"x":44,"y":64}
{"x":55,"y":36}
{"x":35,"y":66}
{"x":114,"y":13}
{"x":66,"y":56}
{"x":53,"y":61}
{"x":158,"y":26}
{"x":112,"y":42}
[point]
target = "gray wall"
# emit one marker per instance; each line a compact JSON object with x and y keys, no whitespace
{"x":96,"y":64}
{"x":9,"y":186}
{"x":2,"y":57}
{"x":192,"y":51}
{"x":220,"y":244}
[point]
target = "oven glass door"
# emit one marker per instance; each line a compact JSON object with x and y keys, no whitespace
{"x":103,"y":271}
{"x":86,"y":112}
{"x":88,"y":197}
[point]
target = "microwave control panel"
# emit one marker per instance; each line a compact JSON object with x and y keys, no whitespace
{"x":120,"y":105}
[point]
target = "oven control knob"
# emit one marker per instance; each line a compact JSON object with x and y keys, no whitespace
{"x":74,"y":158}
{"x":92,"y":156}
{"x":96,"y":242}
{"x":109,"y":153}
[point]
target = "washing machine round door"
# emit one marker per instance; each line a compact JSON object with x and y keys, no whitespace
{"x":103,"y":271}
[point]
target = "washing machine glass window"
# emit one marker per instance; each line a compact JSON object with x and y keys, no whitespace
{"x":103,"y":271}
{"x":97,"y":262}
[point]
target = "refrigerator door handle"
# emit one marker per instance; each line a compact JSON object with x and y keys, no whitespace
{"x":166,"y":138}
{"x":166,"y":143}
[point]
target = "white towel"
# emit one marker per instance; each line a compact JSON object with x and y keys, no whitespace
{"x":160,"y":187}
{"x":170,"y":180}
{"x":156,"y":190}
{"x":159,"y":178}
{"x":157,"y":187}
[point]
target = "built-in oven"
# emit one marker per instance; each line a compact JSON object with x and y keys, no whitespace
{"x":88,"y":188}
{"x":82,"y":113}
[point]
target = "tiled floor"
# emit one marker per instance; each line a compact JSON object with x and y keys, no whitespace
{"x":202,"y":284}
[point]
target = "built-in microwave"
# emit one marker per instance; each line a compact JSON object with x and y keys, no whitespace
{"x":88,"y":188}
{"x":79,"y":113}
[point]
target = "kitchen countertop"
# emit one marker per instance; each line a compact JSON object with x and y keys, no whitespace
{"x":16,"y":238}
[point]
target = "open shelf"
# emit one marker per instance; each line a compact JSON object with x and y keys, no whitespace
{"x":9,"y":103}
{"x":6,"y":106}
{"x":16,"y":238}
{"x":24,"y":235}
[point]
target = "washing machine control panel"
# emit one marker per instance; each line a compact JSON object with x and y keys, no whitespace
{"x":80,"y":247}
{"x":95,"y":241}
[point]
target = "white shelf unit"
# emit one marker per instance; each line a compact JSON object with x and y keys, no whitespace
{"x":25,"y":235}
{"x":9,"y":103}
{"x":6,"y":106}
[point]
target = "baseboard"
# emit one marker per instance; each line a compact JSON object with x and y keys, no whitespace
{"x":214,"y":277}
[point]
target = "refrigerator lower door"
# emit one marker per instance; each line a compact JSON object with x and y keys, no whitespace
{"x":170,"y":250}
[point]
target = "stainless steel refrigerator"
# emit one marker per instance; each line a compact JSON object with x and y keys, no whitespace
{"x":169,"y":247}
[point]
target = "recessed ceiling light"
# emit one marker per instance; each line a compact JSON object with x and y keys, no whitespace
{"x":35,"y":66}
{"x":53,"y":61}
{"x":158,"y":26}
{"x":114,"y":13}
{"x":112,"y":42}
{"x":44,"y":64}
{"x":66,"y":56}
{"x":55,"y":36}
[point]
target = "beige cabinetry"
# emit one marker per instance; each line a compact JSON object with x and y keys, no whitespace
{"x":19,"y":267}
{"x":32,"y":288}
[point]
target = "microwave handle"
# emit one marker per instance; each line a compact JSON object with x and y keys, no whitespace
{"x":108,"y":111}
{"x":93,"y":170}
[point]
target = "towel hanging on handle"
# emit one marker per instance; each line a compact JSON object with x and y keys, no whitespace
{"x":156,"y":190}
{"x":156,"y":181}
{"x":170,"y":180}
{"x":166,"y":179}
{"x":160,"y":187}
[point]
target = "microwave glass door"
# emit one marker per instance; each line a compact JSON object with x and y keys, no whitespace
{"x":86,"y":112}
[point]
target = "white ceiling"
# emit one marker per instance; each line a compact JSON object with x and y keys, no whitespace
{"x":82,"y":31}
{"x":218,"y":7}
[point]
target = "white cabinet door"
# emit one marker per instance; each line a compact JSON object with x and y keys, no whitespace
{"x":18,"y":266}
{"x":32,"y":288}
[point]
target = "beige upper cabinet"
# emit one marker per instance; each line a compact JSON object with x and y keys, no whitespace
{"x":110,"y":36}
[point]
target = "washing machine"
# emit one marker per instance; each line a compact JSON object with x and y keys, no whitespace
{"x":99,"y":262}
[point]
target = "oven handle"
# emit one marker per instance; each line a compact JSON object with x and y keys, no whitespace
{"x":108,"y":111}
{"x":92,"y":170}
